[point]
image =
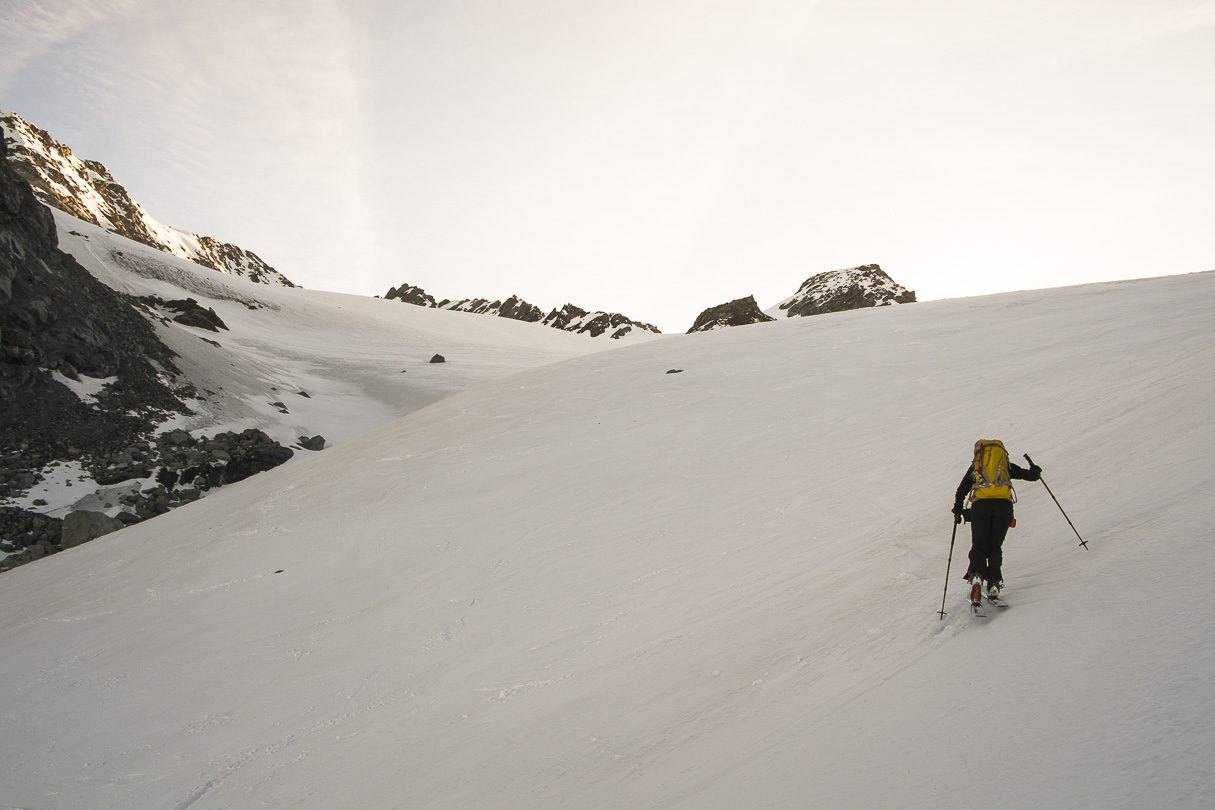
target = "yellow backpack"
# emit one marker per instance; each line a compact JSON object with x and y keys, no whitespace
{"x":990,"y":471}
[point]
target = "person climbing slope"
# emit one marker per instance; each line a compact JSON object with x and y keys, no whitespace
{"x":988,"y":483}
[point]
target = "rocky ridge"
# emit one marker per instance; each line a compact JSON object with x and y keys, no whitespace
{"x":84,"y":380}
{"x":568,"y":318}
{"x":87,"y":190}
{"x":840,"y":290}
{"x":58,"y":323}
{"x":834,"y":291}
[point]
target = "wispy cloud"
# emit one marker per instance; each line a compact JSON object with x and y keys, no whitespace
{"x":238,"y":120}
{"x":28,"y":28}
{"x":580,"y":151}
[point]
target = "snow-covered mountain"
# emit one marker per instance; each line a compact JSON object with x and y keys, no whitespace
{"x":88,"y":191}
{"x":568,"y":318}
{"x":594,"y":584}
{"x":841,"y":290}
{"x":363,"y":361}
{"x":125,"y":371}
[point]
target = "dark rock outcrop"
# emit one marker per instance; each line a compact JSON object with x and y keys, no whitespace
{"x":57,"y":319}
{"x":27,"y":536}
{"x":841,"y":290}
{"x":740,"y":312}
{"x":575,"y":319}
{"x":313,"y":443}
{"x":182,"y":467}
{"x":568,"y":318}
{"x":410,"y":294}
{"x":514,"y":308}
{"x":191,"y":313}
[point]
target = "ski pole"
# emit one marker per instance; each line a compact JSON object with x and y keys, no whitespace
{"x":949,"y":564}
{"x":1056,"y":500}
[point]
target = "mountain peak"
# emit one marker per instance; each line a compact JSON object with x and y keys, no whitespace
{"x":87,"y":190}
{"x":839,"y":290}
{"x":740,"y":312}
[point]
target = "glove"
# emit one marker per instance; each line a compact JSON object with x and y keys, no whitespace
{"x":957,"y":518}
{"x":1035,"y":472}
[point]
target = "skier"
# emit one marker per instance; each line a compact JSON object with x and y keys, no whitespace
{"x":987,"y":482}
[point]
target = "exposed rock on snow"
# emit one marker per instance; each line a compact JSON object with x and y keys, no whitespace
{"x":56,"y":318}
{"x":156,"y":476}
{"x":840,"y":290}
{"x":739,"y":312}
{"x":568,"y":318}
{"x":514,"y":308}
{"x":411,"y":295}
{"x":314,"y":443}
{"x":574,"y":319}
{"x":191,"y":313}
{"x":82,"y":526}
{"x":87,"y":190}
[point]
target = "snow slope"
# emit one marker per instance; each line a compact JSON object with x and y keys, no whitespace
{"x":599,"y":585}
{"x":361,"y":361}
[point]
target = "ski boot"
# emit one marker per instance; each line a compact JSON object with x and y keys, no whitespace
{"x":976,"y":591}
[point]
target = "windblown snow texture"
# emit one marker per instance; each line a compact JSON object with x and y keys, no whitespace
{"x":595,"y":584}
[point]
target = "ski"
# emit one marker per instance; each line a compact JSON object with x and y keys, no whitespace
{"x":978,"y":610}
{"x":998,"y":602}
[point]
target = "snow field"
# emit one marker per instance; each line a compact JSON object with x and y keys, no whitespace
{"x":594,"y":584}
{"x":361,"y":361}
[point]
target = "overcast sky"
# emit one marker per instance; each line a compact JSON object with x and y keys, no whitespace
{"x":652,"y":157}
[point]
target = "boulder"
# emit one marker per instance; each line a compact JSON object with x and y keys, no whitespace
{"x":81,"y":527}
{"x":313,"y":443}
{"x":193,"y":314}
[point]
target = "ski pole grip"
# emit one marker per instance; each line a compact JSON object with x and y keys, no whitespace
{"x":1030,"y":460}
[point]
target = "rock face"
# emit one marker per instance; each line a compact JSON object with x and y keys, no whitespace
{"x":569,"y":318}
{"x":740,"y":312}
{"x":840,"y":290}
{"x":84,"y":377}
{"x":87,"y":190}
{"x":59,"y":325}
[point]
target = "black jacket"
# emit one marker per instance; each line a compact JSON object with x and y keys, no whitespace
{"x":968,"y":481}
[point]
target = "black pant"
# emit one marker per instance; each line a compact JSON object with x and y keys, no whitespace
{"x":989,"y":522}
